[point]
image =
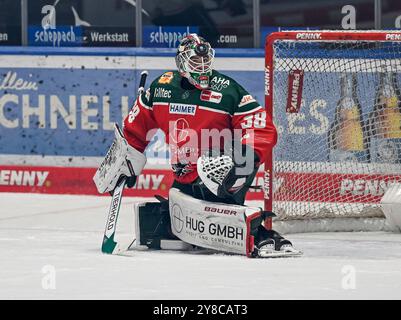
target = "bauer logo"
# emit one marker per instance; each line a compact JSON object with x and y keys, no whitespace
{"x":165,"y":36}
{"x":221,"y":211}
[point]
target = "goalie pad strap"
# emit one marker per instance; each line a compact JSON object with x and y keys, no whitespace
{"x":218,"y":226}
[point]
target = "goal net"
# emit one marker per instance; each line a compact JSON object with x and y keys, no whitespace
{"x":335,"y":99}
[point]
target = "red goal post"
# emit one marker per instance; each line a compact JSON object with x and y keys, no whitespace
{"x":306,"y":37}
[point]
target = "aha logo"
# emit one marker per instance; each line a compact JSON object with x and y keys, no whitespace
{"x":218,"y":83}
{"x":179,"y":132}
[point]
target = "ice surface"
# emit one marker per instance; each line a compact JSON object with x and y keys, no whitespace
{"x":38,"y":232}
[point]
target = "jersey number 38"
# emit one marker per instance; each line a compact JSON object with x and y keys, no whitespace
{"x":133,"y":113}
{"x":257,"y":120}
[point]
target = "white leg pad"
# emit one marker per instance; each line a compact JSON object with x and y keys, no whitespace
{"x":219,"y":226}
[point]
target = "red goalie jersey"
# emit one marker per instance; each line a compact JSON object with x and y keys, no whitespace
{"x":194,"y":120}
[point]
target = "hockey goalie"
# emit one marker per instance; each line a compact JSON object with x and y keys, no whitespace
{"x":218,"y":136}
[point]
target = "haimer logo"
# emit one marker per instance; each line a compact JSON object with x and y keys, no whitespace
{"x":179,"y":108}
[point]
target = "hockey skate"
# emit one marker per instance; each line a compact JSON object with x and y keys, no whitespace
{"x":270,"y":244}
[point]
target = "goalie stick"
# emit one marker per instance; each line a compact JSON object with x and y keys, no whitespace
{"x":110,"y":244}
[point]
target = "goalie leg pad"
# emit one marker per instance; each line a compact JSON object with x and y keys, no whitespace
{"x":219,"y":226}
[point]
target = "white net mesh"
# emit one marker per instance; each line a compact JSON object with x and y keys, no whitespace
{"x":337,"y":107}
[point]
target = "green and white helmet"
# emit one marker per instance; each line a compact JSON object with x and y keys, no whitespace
{"x":194,"y":60}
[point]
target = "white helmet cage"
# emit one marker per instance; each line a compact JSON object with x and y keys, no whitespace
{"x":194,"y":60}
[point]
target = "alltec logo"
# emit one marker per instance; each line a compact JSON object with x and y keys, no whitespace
{"x":22,"y":178}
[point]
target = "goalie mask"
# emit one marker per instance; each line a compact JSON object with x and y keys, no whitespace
{"x":194,"y":60}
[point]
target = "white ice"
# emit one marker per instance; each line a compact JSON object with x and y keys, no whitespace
{"x":50,"y":249}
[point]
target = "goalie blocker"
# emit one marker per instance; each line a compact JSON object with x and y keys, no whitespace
{"x":217,"y":226}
